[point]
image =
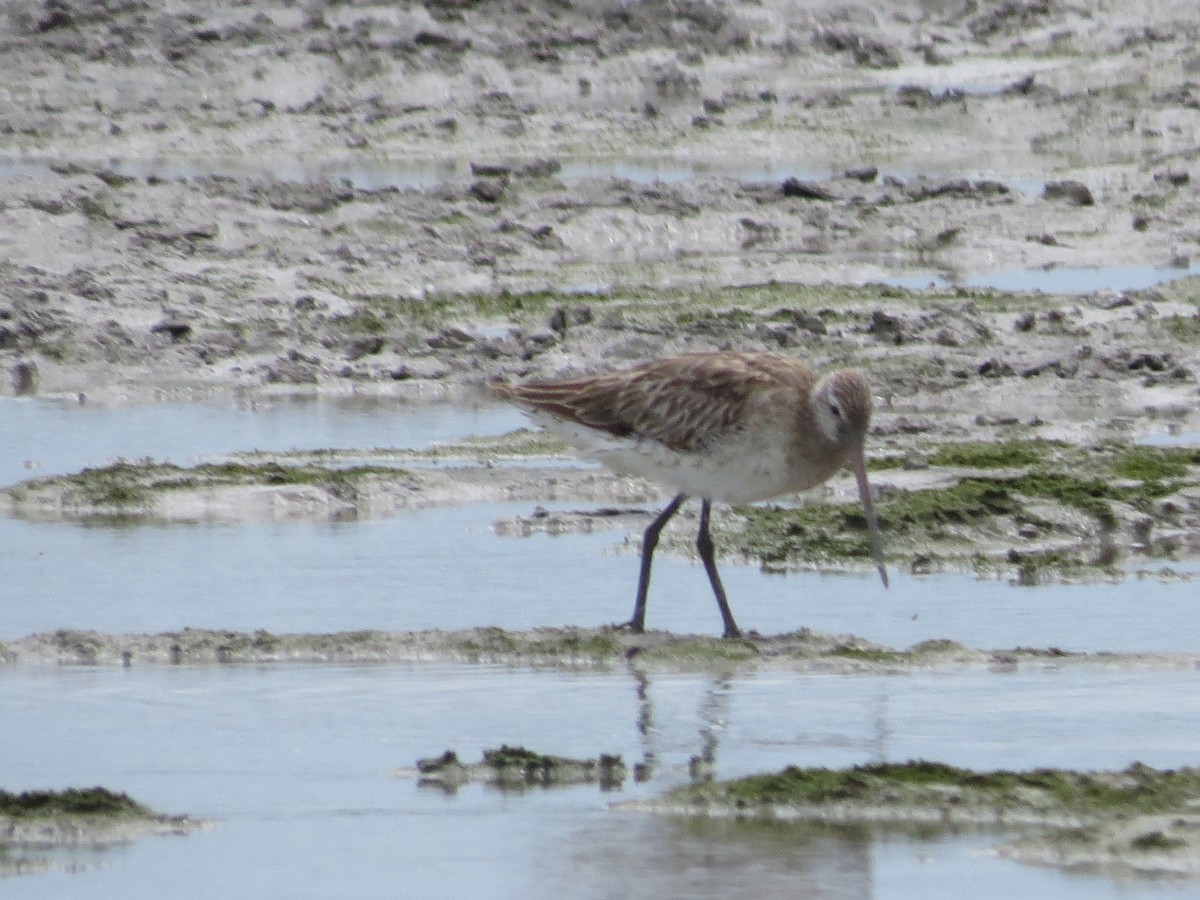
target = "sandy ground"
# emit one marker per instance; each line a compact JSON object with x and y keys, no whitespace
{"x":206,"y":195}
{"x":604,"y":648}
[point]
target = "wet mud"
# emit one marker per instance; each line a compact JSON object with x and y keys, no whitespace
{"x":1027,"y":509}
{"x":516,"y":768}
{"x":340,"y":198}
{"x":605,"y":648}
{"x":1137,"y":820}
{"x":33,"y":823}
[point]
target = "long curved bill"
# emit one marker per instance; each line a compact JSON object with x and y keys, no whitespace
{"x":858,"y":464}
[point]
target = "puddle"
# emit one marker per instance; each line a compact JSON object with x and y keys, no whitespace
{"x":294,"y":764}
{"x":669,"y":172}
{"x":46,"y":437}
{"x":1173,"y":439}
{"x":1061,"y":280}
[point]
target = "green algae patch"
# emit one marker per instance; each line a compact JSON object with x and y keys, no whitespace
{"x":131,"y":490}
{"x":96,"y":801}
{"x":958,"y":793}
{"x":1154,"y":464}
{"x":1139,"y":818}
{"x":684,"y":305}
{"x":518,"y":767}
{"x":1036,"y":508}
{"x":926,"y":653}
{"x":691,"y":651}
{"x":120,"y":486}
{"x":561,"y":647}
{"x":994,"y":454}
{"x":523,"y":442}
{"x":80,"y":816}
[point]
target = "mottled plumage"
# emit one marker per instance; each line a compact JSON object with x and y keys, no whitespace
{"x":730,"y":427}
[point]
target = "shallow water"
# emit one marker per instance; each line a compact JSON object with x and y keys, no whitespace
{"x":1178,"y":438}
{"x":49,"y":437}
{"x":1059,"y":280}
{"x":294,"y":763}
{"x":446,"y":568}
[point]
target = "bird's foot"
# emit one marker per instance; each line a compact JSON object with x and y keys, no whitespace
{"x":632,"y":626}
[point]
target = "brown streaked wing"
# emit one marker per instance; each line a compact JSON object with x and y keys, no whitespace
{"x":683,"y":401}
{"x":581,"y":400}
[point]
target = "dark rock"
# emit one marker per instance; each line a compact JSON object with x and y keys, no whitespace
{"x":867,"y":51}
{"x":490,"y":170}
{"x":364,"y":346}
{"x":1075,"y":192}
{"x":1007,"y":16}
{"x":1022,"y":86}
{"x":809,"y":190}
{"x":312,"y":197}
{"x":1173,"y":177}
{"x":995,"y":368}
{"x":758,"y":233}
{"x":175,"y":328}
{"x":804,"y":319}
{"x":24,"y":378}
{"x":886,"y":327}
{"x":1046,"y":239}
{"x":488,"y":190}
{"x":83,"y":283}
{"x":1055,"y":365}
{"x":539,"y":168}
{"x":565,"y":317}
{"x":544,"y":238}
{"x":865,"y":174}
{"x":293,"y":368}
{"x":1155,"y":362}
{"x":990,"y":187}
{"x":919,"y":97}
{"x":925,"y":189}
{"x":450,"y":338}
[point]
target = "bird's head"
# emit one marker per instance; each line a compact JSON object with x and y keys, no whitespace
{"x":842,"y":409}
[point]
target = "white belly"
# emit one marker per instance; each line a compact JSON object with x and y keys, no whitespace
{"x":741,"y":472}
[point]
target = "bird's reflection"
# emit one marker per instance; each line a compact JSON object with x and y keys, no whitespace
{"x":715,"y":710}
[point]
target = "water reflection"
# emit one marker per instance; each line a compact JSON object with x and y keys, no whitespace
{"x":293,"y":763}
{"x":686,"y":859}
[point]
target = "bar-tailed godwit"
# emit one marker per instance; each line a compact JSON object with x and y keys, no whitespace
{"x":728,"y":427}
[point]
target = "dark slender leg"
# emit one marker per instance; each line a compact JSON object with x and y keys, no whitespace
{"x":637,"y":623}
{"x":705,"y":545}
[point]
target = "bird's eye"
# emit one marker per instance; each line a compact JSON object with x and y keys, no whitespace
{"x":835,"y":410}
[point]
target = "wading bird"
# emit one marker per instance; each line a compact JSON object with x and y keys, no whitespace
{"x":728,"y":427}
